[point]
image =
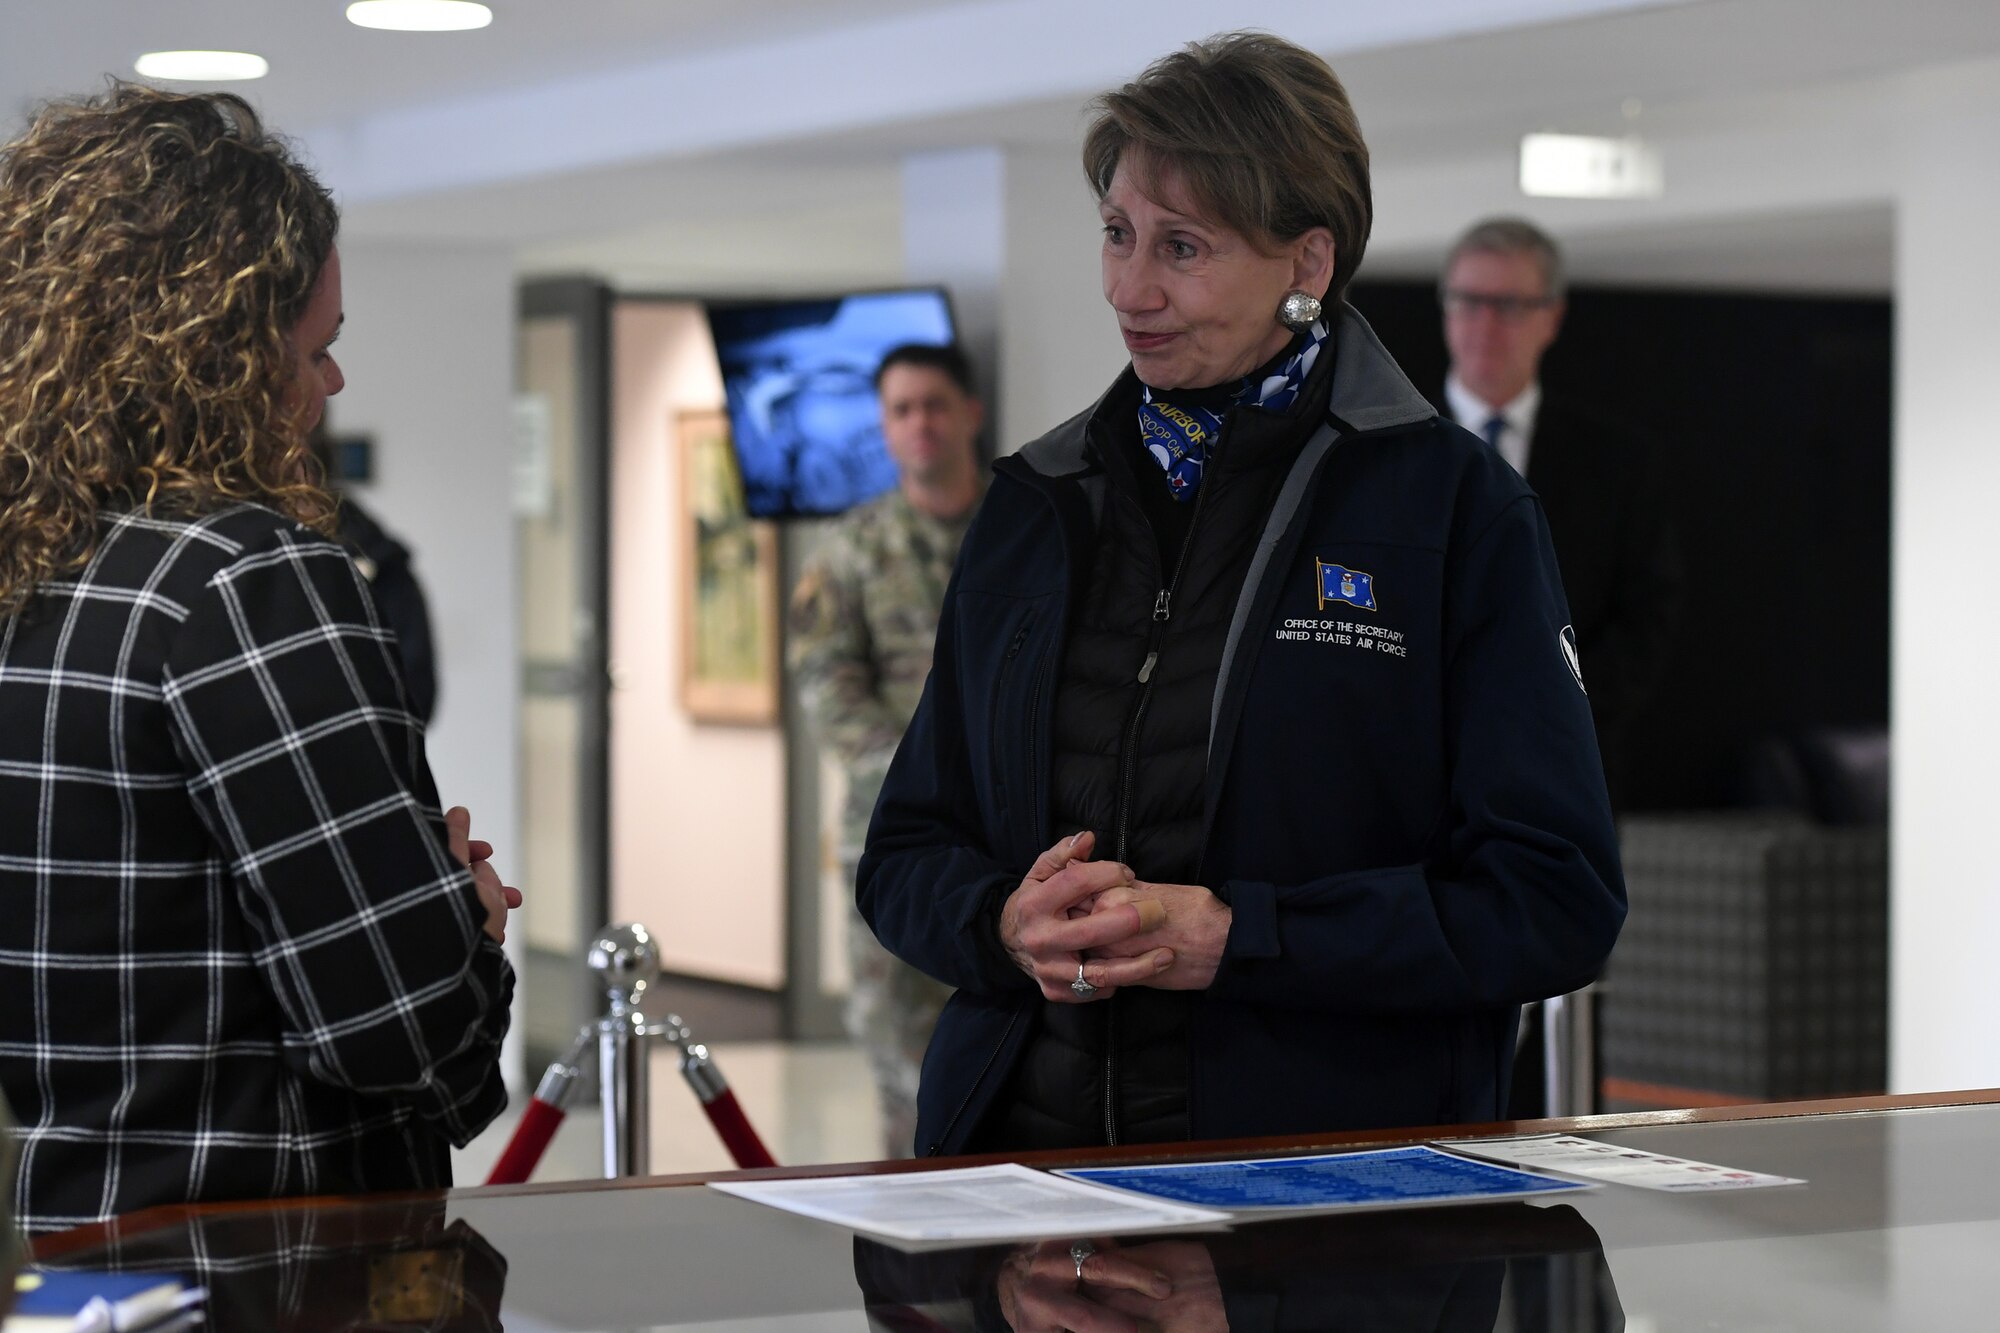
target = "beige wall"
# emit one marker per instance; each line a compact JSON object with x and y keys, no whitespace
{"x":697,"y":812}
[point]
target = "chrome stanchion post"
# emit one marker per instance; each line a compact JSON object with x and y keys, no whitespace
{"x":628,"y":961}
{"x":696,"y":1066}
{"x":559,"y":1080}
{"x":724,"y":1112}
{"x":1569,"y":1053}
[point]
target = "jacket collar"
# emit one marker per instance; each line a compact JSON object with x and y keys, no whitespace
{"x":1370,"y":392}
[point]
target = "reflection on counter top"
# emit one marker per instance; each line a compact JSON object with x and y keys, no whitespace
{"x":1433,"y":1270}
{"x":1895,"y":1229}
{"x":396,"y":1265}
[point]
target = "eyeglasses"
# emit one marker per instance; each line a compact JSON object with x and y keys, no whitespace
{"x":1508,"y":308}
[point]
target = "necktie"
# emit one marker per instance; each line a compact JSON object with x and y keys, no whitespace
{"x":1496,"y":425}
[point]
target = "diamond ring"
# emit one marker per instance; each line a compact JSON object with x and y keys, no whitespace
{"x":1080,"y":986}
{"x":1079,"y":1251}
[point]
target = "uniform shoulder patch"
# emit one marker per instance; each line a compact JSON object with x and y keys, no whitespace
{"x":1567,"y":638}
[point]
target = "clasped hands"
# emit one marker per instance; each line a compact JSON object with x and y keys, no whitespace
{"x":1071,"y":911}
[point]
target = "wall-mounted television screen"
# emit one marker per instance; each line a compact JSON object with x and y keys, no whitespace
{"x":800,"y":379}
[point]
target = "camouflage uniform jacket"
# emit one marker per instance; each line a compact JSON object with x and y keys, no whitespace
{"x":863,"y":620}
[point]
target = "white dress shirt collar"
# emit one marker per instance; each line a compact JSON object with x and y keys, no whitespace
{"x":1472,"y":412}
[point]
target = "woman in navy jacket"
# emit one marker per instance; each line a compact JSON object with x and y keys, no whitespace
{"x":1254,"y":786}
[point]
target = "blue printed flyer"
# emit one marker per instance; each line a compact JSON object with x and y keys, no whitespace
{"x":1389,"y":1178}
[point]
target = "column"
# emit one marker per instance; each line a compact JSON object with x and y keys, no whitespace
{"x":1945,"y":649}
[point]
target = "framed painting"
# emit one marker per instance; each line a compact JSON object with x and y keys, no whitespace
{"x":729,"y":584}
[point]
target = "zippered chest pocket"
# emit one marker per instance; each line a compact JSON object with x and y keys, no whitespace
{"x":1006,"y":648}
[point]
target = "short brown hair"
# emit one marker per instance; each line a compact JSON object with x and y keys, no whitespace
{"x":1259,"y":131}
{"x":945,"y":358}
{"x":1511,"y":236}
{"x":156,"y":249}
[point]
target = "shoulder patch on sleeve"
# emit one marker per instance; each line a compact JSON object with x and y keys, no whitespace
{"x":811,"y":585}
{"x":1567,"y":639}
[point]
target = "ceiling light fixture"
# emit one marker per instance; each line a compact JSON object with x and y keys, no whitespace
{"x":419,"y":15}
{"x":201,"y":66}
{"x":1580,"y":166}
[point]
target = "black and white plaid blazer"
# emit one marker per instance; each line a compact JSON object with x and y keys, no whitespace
{"x":237,"y":959}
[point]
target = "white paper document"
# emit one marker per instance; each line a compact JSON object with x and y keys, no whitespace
{"x":1574,"y":1156}
{"x":1009,"y":1202}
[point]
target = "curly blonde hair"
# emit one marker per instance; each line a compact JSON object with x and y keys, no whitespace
{"x":155,"y":251}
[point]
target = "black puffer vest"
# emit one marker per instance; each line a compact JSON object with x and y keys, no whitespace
{"x":1131,"y":726}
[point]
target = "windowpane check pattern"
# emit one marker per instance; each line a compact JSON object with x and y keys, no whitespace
{"x":237,"y":959}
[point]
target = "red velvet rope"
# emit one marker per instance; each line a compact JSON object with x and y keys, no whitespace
{"x":744,"y":1146}
{"x":531,"y":1139}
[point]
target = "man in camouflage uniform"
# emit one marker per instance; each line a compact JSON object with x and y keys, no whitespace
{"x":863,"y":620}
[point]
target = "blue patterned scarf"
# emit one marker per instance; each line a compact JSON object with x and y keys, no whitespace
{"x":1180,"y":438}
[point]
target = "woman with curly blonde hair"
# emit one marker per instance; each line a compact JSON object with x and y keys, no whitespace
{"x":243,"y":953}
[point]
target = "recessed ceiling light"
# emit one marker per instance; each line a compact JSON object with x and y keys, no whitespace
{"x":202,"y":66}
{"x":420,"y":15}
{"x":1580,"y":166}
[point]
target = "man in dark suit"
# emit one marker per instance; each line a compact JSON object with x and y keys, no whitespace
{"x":1600,"y":486}
{"x":391,"y":573}
{"x":1601,"y":489}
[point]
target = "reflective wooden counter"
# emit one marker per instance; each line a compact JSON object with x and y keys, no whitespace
{"x":1897,"y":1227}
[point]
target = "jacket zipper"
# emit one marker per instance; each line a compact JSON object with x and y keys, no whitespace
{"x":1163,"y":605}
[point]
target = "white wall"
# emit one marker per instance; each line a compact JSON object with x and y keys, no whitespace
{"x":428,"y":351}
{"x":697,"y":812}
{"x":1014,"y":234}
{"x":1754,"y":155}
{"x":1945,"y":924}
{"x":954,"y":234}
{"x":1059,"y":343}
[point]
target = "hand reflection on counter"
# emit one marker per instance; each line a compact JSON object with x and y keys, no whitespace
{"x":1520,"y":1267}
{"x":1168,"y":1285}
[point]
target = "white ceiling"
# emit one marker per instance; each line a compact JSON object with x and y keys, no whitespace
{"x":325,"y":70}
{"x":1455,"y":96}
{"x":795,"y":181}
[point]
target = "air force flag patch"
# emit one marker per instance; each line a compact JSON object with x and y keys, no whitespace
{"x":1338,"y":583}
